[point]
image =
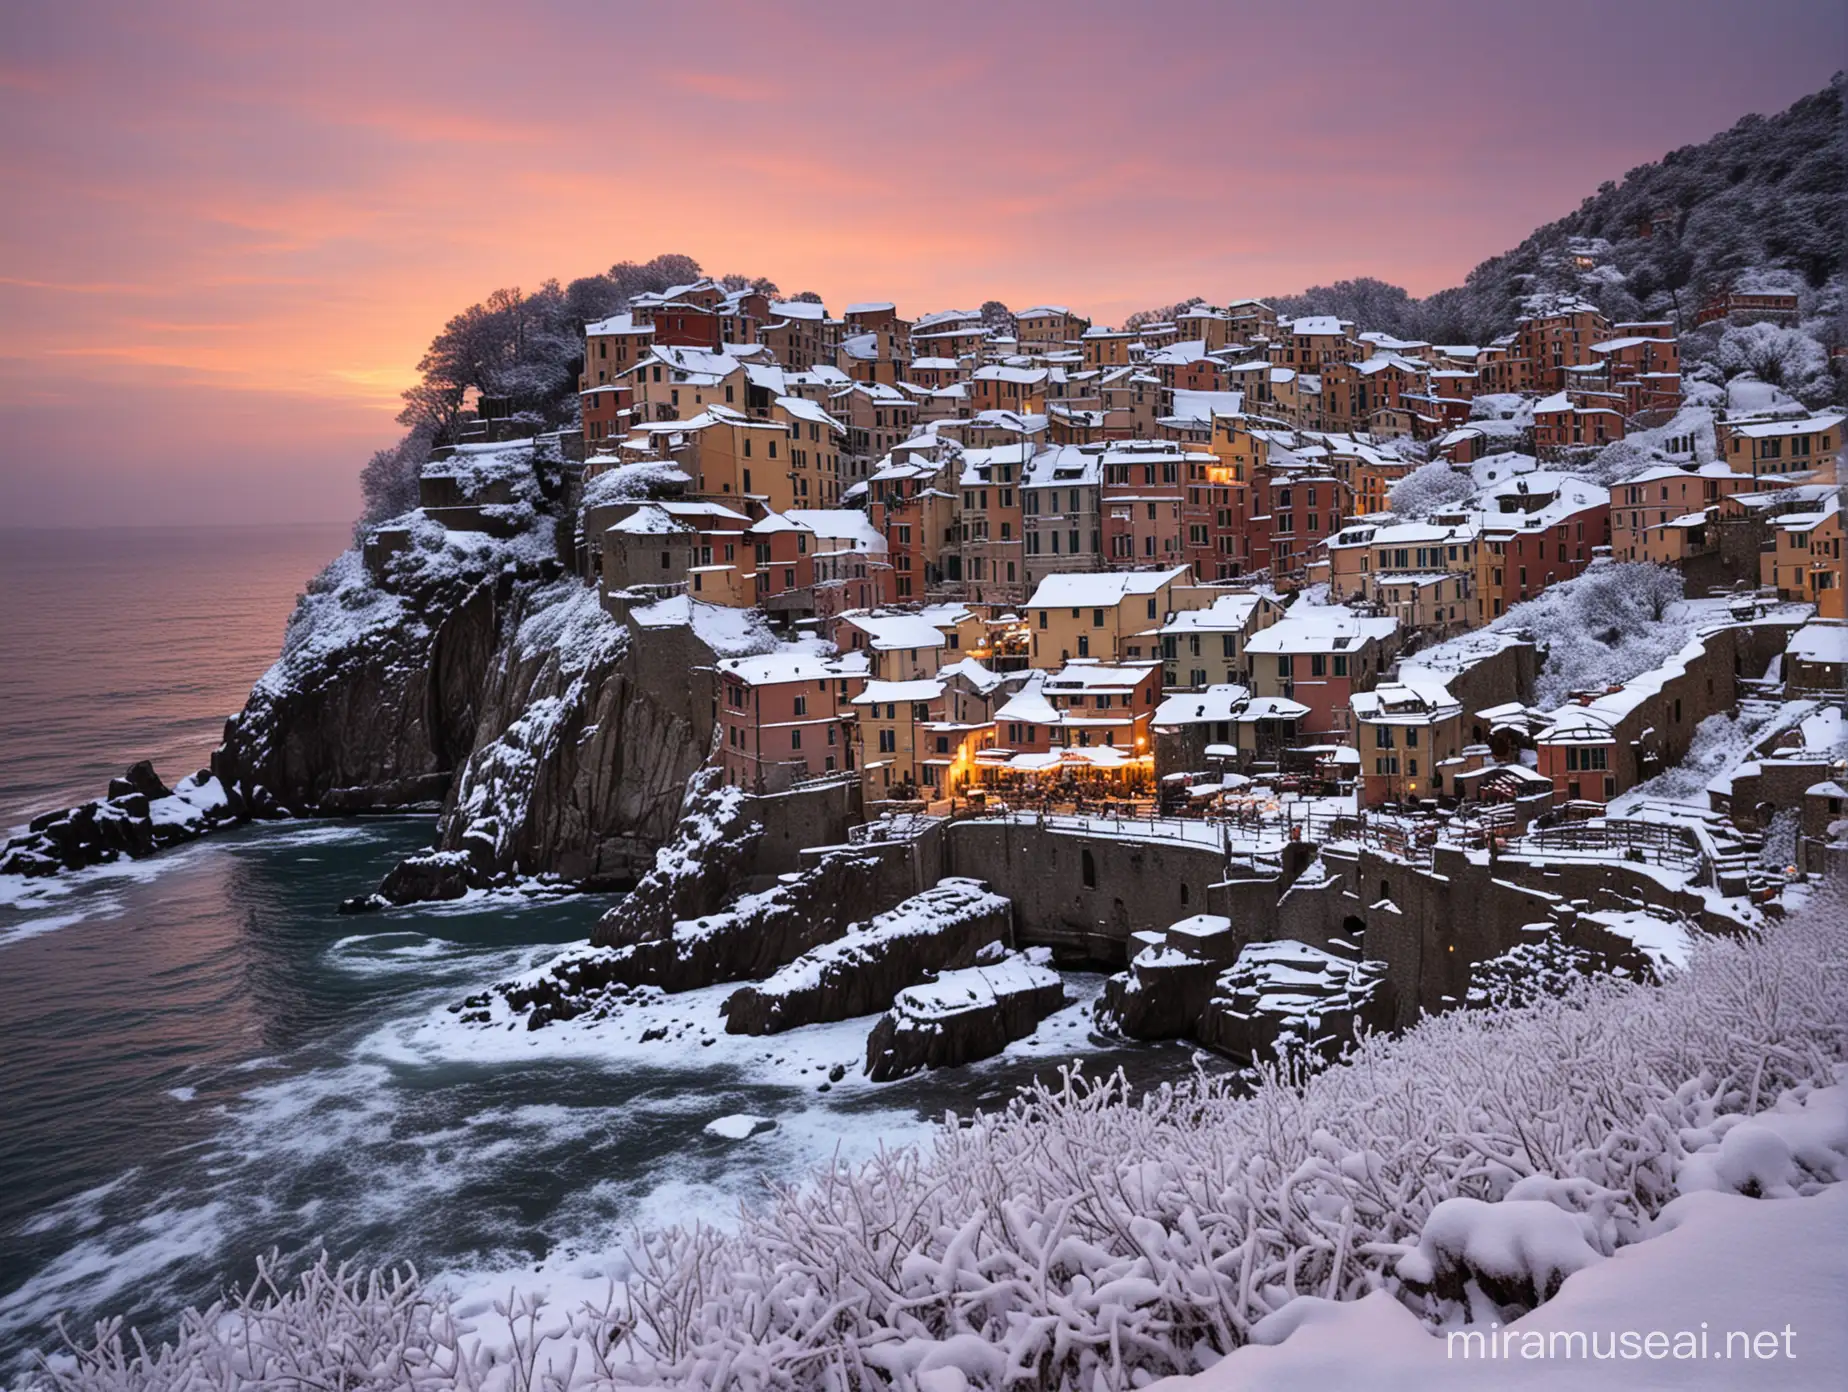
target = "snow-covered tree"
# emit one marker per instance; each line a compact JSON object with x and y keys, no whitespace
{"x":1784,"y":357}
{"x":1430,"y":488}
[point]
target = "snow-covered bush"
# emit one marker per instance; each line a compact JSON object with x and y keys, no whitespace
{"x":1430,"y":488}
{"x":1085,"y":1238}
{"x":1783,"y":357}
{"x":1616,"y":620}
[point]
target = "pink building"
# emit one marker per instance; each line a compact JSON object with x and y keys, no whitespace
{"x":780,"y":718}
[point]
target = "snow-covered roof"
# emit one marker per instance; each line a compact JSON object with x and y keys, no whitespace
{"x":1802,"y":426}
{"x":847,"y":525}
{"x":623,"y":323}
{"x":1272,"y":708}
{"x":1100,"y":590}
{"x":1323,"y":629}
{"x":1820,"y":642}
{"x":1320,"y":324}
{"x":784,"y":665}
{"x":648,"y":520}
{"x":805,"y":410}
{"x":1228,"y":613}
{"x":878,"y":692}
{"x":1412,"y":699}
{"x":870,"y":307}
{"x":1216,"y":703}
{"x":1204,"y":405}
{"x":888,"y":632}
{"x":1085,"y":674}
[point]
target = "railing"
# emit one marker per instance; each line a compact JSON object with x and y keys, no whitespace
{"x":1650,"y":843}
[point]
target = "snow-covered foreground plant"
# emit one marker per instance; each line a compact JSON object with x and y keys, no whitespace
{"x":1087,"y":1239}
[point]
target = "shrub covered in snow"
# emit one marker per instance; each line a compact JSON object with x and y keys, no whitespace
{"x":1616,"y":620}
{"x":1430,"y":488}
{"x":1084,"y":1238}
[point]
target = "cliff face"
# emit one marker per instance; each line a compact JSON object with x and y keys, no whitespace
{"x":374,"y":700}
{"x":584,"y":744}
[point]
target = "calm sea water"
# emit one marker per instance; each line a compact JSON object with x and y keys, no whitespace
{"x":135,"y":643}
{"x":201,"y":1060}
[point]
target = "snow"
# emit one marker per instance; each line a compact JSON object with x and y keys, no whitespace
{"x":1216,"y":703}
{"x":1228,"y":613}
{"x":1721,"y":1264}
{"x":973,"y":988}
{"x":1820,"y":642}
{"x":1101,"y":589}
{"x":1329,"y":628}
{"x":727,"y":631}
{"x":888,"y":632}
{"x":785,"y":664}
{"x":739,"y":1126}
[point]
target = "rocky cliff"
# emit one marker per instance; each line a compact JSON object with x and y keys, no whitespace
{"x":374,"y":700}
{"x":584,"y":745}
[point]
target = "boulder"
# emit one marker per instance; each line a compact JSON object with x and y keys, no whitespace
{"x":432,"y":875}
{"x":945,"y":927}
{"x":753,"y":938}
{"x":964,"y":1015}
{"x":1288,"y":997}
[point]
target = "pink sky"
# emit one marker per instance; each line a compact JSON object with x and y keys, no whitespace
{"x":229,"y":231}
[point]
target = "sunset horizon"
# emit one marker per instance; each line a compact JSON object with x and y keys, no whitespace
{"x":231,"y":240}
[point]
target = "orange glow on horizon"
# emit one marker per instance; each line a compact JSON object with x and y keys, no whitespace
{"x":263,"y":217}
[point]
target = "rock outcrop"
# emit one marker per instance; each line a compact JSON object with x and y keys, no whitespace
{"x":963,"y":1016}
{"x":140,"y":816}
{"x":373,"y":702}
{"x":1289,"y":998}
{"x":750,"y":940}
{"x":585,"y":742}
{"x":945,"y":927}
{"x":1170,"y":979}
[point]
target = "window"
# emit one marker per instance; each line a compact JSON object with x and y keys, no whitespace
{"x":801,"y":705}
{"x":888,"y":741}
{"x":1097,"y":618}
{"x":795,"y":739}
{"x":1318,"y":665}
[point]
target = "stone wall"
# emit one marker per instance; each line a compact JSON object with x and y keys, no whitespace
{"x":1082,"y":895}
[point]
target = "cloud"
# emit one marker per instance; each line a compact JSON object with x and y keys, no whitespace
{"x":227,"y":213}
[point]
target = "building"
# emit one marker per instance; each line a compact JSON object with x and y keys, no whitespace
{"x":1664,"y":514}
{"x":1778,"y":307}
{"x":1816,"y":659}
{"x":1100,"y":615}
{"x":1410,"y":736}
{"x":1320,"y":657}
{"x":1048,"y":328}
{"x":1564,"y":422}
{"x":1206,"y":646}
{"x":1060,"y":511}
{"x":1801,"y":446}
{"x":1804,"y":561}
{"x":780,"y":718}
{"x":1536,"y":529}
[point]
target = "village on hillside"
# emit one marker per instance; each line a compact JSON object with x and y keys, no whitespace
{"x":1234,"y":583}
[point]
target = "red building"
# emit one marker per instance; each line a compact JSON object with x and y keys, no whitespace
{"x":1536,"y":530}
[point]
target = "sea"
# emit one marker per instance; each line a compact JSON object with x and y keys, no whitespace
{"x":202,"y":1060}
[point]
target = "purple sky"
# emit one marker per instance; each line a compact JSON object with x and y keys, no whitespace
{"x":230,"y":230}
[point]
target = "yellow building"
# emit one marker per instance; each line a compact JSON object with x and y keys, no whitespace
{"x":1410,"y":736}
{"x":1107,"y":347}
{"x":1100,"y":614}
{"x":1807,"y":446}
{"x":1805,"y":561}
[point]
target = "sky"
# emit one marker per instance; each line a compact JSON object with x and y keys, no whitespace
{"x":229,"y":231}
